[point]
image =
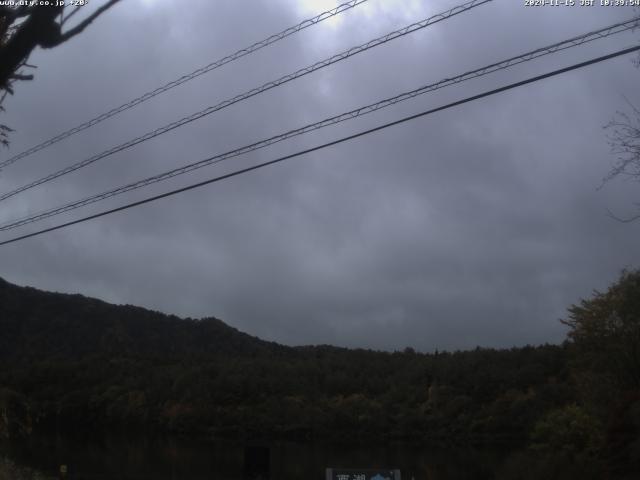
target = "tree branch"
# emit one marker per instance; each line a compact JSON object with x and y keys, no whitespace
{"x":86,"y":22}
{"x":73,"y":12}
{"x":14,"y":13}
{"x":610,"y":214}
{"x":20,"y":76}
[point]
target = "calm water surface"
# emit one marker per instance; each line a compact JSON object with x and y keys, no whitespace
{"x":145,"y":458}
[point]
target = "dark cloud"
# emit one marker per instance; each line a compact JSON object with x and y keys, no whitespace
{"x":475,"y":226}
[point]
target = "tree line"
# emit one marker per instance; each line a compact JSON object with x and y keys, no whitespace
{"x":70,"y":363}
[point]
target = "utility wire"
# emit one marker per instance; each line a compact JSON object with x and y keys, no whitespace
{"x":255,"y":91}
{"x":329,"y":144}
{"x":185,"y":78}
{"x":570,"y":43}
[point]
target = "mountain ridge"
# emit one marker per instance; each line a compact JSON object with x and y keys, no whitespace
{"x":70,"y":362}
{"x":74,"y":325}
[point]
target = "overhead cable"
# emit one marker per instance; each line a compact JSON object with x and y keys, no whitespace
{"x":253,"y":92}
{"x":185,"y":78}
{"x":328,"y":144}
{"x":525,"y":57}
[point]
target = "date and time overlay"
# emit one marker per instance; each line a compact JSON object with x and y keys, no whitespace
{"x":582,"y":3}
{"x":527,"y":3}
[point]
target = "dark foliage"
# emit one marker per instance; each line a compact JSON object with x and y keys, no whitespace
{"x":605,"y":366}
{"x":81,"y":363}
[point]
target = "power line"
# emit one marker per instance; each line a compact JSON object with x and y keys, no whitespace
{"x":570,"y":43}
{"x":329,"y":144}
{"x":255,"y":91}
{"x":185,"y":78}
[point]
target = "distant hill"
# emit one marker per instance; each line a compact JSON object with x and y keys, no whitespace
{"x":69,"y":362}
{"x":37,"y":324}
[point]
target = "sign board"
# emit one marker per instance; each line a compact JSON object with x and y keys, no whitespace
{"x":362,"y":474}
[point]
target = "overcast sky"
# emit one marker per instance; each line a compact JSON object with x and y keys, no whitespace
{"x":478,"y":225}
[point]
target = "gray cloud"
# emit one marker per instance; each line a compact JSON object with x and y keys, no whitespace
{"x":475,"y":226}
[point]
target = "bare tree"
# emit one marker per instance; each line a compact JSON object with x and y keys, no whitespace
{"x":25,"y":27}
{"x":624,"y":139}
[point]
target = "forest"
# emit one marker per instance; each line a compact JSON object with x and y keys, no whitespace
{"x":74,"y":364}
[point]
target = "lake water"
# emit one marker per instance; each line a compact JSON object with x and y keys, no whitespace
{"x":145,"y":458}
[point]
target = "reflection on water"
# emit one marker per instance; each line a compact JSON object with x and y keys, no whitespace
{"x":147,"y":458}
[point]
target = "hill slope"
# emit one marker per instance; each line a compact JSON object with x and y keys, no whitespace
{"x":69,"y":362}
{"x":37,"y":324}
